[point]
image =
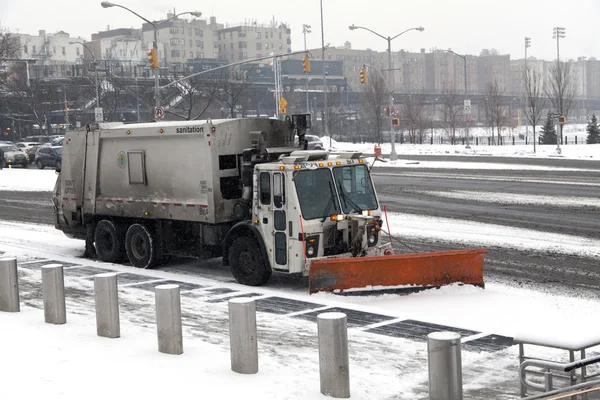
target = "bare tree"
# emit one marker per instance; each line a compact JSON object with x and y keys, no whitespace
{"x":231,"y":86}
{"x":413,"y":115}
{"x":374,"y":100}
{"x":561,"y":90}
{"x":196,"y":96}
{"x":495,"y":111}
{"x":451,"y":101}
{"x":534,"y":102}
{"x":9,"y":45}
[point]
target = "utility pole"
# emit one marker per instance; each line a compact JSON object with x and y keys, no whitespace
{"x":305,"y":30}
{"x":527,"y":45}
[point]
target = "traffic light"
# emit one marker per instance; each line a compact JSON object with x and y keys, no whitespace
{"x":562,"y":120}
{"x":306,"y":64}
{"x":282,"y":109}
{"x":152,"y":58}
{"x":363,"y":75}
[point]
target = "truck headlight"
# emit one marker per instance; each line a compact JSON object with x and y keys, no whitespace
{"x":372,"y":235}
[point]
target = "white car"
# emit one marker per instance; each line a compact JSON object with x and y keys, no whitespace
{"x":14,"y":156}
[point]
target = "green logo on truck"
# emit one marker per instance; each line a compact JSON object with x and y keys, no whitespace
{"x":121,"y":160}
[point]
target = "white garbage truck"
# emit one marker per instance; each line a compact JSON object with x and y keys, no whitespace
{"x":236,"y":188}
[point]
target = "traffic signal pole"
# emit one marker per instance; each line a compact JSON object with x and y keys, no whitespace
{"x":393,"y":154}
{"x":156,"y":70}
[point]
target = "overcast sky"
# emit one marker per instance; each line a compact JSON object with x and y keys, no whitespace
{"x":466,"y":26}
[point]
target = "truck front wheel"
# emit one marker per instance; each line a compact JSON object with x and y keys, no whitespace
{"x":247,"y":263}
{"x":140,"y":247}
{"x":108,"y":240}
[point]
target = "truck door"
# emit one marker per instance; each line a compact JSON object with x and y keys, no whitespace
{"x":273,"y":218}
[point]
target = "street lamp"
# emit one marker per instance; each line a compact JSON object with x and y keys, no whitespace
{"x":464,"y":57}
{"x":305,"y":30}
{"x":559,"y":33}
{"x":95,"y":69}
{"x":107,"y":4}
{"x":527,"y":45}
{"x":393,"y":155}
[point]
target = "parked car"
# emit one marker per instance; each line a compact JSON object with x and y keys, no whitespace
{"x":314,"y":142}
{"x":30,"y":148}
{"x":47,"y":156}
{"x":58,"y":141}
{"x":13,"y":156}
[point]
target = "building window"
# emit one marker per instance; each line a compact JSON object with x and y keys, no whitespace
{"x":64,"y":51}
{"x":189,"y":31}
{"x":199,"y":54}
{"x":231,"y":45}
{"x":182,"y":42}
{"x":25,"y":49}
{"x":77,"y":50}
{"x":258,"y":46}
{"x":174,"y":41}
{"x":33,"y":49}
{"x":266,"y":46}
{"x":258,"y":35}
{"x":173,"y":29}
{"x":175,"y":53}
{"x":201,"y":44}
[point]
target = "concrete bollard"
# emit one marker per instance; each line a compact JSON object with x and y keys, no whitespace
{"x":242,"y":335}
{"x":9,"y":285}
{"x":53,"y":286}
{"x":333,"y":355}
{"x":107,"y":305}
{"x":445,"y":366}
{"x":168,"y":319}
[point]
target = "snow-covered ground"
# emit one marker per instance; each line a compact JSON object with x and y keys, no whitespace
{"x":70,"y":361}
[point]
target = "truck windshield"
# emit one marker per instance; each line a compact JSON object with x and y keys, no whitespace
{"x":355,"y":187}
{"x":316,"y":193}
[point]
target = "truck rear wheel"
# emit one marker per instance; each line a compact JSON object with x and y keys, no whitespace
{"x":108,"y":240}
{"x":139,"y":246}
{"x":247,"y":263}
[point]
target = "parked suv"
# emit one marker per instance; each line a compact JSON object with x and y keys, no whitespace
{"x":49,"y":156}
{"x":314,"y":142}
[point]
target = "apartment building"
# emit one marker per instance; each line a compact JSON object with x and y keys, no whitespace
{"x":124,"y":44}
{"x":50,"y":48}
{"x":182,"y":39}
{"x":517,"y":70}
{"x":253,"y":40}
{"x":493,"y":67}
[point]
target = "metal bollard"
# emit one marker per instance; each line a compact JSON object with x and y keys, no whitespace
{"x":333,"y":355}
{"x":9,"y":285}
{"x":445,"y":366}
{"x":53,"y":286}
{"x":242,"y":336}
{"x":107,"y":305}
{"x":168,"y":319}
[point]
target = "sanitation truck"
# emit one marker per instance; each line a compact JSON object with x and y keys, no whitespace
{"x":240,"y":189}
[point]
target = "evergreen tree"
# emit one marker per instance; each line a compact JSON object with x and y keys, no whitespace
{"x":548,"y":133}
{"x":593,"y":131}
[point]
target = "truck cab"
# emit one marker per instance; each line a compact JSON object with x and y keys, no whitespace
{"x":308,"y":206}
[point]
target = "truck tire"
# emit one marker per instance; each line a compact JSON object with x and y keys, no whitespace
{"x":139,"y":246}
{"x":108,"y":240}
{"x":247,"y":264}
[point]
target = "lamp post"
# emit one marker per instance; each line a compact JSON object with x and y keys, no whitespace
{"x":107,"y":4}
{"x":464,"y":57}
{"x":393,"y":155}
{"x":559,"y":33}
{"x":305,"y":30}
{"x":527,"y":45}
{"x":326,"y":112}
{"x":95,"y":69}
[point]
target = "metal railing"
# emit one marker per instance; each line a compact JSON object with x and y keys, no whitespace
{"x":548,"y":385}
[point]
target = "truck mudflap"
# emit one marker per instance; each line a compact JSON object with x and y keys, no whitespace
{"x":418,"y":269}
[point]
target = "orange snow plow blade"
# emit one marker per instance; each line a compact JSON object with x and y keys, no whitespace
{"x":421,"y":269}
